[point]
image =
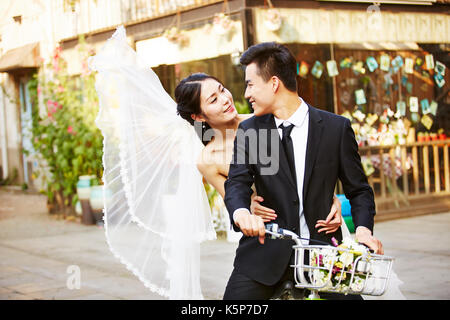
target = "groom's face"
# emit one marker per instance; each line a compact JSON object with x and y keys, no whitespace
{"x":259,"y":92}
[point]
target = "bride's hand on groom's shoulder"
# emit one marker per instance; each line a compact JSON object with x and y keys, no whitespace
{"x":364,"y":235}
{"x":251,"y":225}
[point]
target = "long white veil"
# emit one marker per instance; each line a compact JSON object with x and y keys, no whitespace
{"x":156,"y":211}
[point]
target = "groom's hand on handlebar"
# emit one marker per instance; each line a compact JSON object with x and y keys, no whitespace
{"x":364,"y":235}
{"x":251,"y":225}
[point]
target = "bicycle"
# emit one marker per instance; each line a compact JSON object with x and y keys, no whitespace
{"x":369,"y":273}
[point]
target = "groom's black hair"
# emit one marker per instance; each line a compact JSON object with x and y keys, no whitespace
{"x":273,"y":59}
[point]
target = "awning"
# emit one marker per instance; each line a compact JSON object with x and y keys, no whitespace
{"x":20,"y":58}
{"x":352,"y":26}
{"x":203,"y":43}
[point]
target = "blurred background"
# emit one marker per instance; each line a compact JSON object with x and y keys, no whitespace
{"x":381,"y":64}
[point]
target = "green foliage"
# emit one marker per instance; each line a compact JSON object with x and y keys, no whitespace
{"x":242,"y":107}
{"x":65,"y":137}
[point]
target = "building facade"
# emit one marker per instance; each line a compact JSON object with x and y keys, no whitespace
{"x":381,"y":64}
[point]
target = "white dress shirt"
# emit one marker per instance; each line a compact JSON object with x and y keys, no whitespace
{"x":299,"y":135}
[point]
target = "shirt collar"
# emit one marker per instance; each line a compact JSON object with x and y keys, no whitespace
{"x":297,"y":117}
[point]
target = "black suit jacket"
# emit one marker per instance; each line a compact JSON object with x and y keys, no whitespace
{"x":331,"y":154}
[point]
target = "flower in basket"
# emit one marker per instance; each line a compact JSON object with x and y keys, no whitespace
{"x":222,"y":24}
{"x":333,"y":267}
{"x":272,"y":19}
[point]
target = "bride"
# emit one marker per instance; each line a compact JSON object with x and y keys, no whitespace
{"x":156,"y":211}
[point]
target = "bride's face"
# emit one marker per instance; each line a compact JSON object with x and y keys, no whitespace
{"x":216,"y":103}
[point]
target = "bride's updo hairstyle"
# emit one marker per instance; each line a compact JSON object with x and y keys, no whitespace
{"x":187,"y":96}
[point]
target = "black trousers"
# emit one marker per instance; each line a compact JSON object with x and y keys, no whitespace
{"x":241,"y":287}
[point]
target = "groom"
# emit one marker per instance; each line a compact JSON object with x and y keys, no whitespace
{"x":316,"y":148}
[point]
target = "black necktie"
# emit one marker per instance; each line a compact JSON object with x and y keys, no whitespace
{"x":288,"y":147}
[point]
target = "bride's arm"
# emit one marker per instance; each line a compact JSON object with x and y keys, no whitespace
{"x":211,"y":173}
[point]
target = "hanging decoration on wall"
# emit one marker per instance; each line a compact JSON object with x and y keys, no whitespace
{"x":440,"y":68}
{"x":358,"y":68}
{"x":302,"y":69}
{"x":360,"y":97}
{"x":401,"y":108}
{"x":345,"y":63}
{"x":409,"y":64}
{"x":174,"y":33}
{"x":424,"y":104}
{"x":222,"y":24}
{"x":413,"y":104}
{"x":433,"y":107}
{"x":429,"y":62}
{"x":317,"y":69}
{"x":440,"y":81}
{"x":371,"y":118}
{"x":332,"y":68}
{"x":372,"y":64}
{"x":427,"y":121}
{"x":397,"y":63}
{"x":409,"y":87}
{"x":272,"y":18}
{"x":385,"y":61}
{"x":409,"y":110}
{"x":359,"y":115}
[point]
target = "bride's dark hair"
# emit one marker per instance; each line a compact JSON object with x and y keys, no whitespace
{"x":187,"y":96}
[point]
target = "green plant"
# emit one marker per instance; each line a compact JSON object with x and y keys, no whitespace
{"x":242,"y":106}
{"x":65,"y":136}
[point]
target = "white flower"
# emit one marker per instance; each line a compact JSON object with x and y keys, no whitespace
{"x":348,"y":242}
{"x":361,"y":248}
{"x":346,"y":258}
{"x":357,"y":284}
{"x":320,"y":278}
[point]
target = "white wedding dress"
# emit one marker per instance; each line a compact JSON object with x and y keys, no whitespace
{"x":156,"y":211}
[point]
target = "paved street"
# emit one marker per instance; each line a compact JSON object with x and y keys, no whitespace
{"x":36,"y":251}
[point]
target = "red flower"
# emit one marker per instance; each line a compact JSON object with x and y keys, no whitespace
{"x":70,"y":130}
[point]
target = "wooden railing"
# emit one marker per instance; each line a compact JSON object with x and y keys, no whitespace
{"x":410,"y":175}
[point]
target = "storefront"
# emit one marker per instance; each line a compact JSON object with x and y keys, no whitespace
{"x":382,"y":66}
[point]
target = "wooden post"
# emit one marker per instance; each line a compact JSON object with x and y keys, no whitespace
{"x":404,"y":172}
{"x":437,"y":175}
{"x":426,"y":169}
{"x":333,"y":79}
{"x":382,"y":176}
{"x":446,"y":169}
{"x":415,"y":170}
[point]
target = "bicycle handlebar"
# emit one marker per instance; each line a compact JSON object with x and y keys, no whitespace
{"x":275,"y":232}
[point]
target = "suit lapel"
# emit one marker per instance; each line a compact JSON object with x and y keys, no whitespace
{"x":314,"y":134}
{"x":268,"y":122}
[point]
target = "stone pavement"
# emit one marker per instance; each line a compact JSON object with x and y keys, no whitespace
{"x":36,"y":251}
